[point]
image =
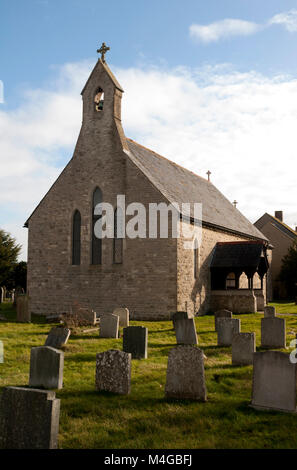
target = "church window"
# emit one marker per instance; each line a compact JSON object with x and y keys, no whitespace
{"x":99,"y":100}
{"x":118,"y":236}
{"x":76,"y":229}
{"x":231,"y":281}
{"x":96,"y":242}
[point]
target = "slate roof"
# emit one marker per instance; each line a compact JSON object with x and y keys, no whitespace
{"x":183,"y":186}
{"x":277,"y":223}
{"x":237,"y":255}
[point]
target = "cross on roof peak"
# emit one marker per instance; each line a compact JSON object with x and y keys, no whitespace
{"x":208,"y":174}
{"x":103,"y":49}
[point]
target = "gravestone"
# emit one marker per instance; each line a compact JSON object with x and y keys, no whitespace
{"x":185,"y":331}
{"x":18,"y":291}
{"x":274,"y":381}
{"x":226,"y":328}
{"x":113,"y":371}
{"x":87,"y":316}
{"x":273,"y":332}
{"x":185,"y":379}
{"x":269,"y":312}
{"x":179,"y":316}
{"x":1,"y":295}
{"x":22,"y":306}
{"x":29,"y":419}
{"x":243,"y":348}
{"x":46,"y":368}
{"x":109,"y":326}
{"x":123,"y":314}
{"x":1,"y":352}
{"x":57,"y":337}
{"x":222,"y":314}
{"x":135,"y":341}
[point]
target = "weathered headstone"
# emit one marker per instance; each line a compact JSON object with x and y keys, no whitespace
{"x":273,"y":332}
{"x":123,"y":314}
{"x":243,"y":348}
{"x":87,"y":316}
{"x":226,"y":328}
{"x":269,"y":312}
{"x":1,"y":295}
{"x":222,"y":314}
{"x":274,"y":381}
{"x":135,"y":341}
{"x":185,"y":331}
{"x":179,"y":316}
{"x":185,"y":379}
{"x":22,"y":306}
{"x":29,"y":419}
{"x":46,"y":368}
{"x":57,"y":337}
{"x":113,"y":371}
{"x":109,"y":326}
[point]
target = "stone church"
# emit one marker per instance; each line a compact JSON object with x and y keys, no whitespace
{"x":152,"y":277}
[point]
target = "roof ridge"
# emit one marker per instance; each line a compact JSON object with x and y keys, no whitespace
{"x":283,"y":224}
{"x":167,"y":159}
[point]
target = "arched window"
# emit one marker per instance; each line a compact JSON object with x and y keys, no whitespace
{"x":99,"y":100}
{"x":76,"y":226}
{"x":96,"y":242}
{"x":231,"y":281}
{"x":118,"y":236}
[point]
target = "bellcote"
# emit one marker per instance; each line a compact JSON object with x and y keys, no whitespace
{"x":102,"y":95}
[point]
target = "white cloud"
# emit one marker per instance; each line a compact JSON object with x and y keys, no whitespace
{"x":235,"y":27}
{"x":287,"y":19}
{"x":240,"y":126}
{"x":222,"y":29}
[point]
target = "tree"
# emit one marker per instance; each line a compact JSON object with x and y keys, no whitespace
{"x":288,"y":273}
{"x":9,"y":251}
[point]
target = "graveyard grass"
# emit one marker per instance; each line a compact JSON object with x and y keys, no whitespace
{"x":144,"y":419}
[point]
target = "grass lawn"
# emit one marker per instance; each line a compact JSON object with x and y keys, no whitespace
{"x":143,"y":419}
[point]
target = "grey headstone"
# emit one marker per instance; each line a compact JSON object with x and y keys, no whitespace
{"x":185,"y":331}
{"x":135,"y":341}
{"x":1,"y":295}
{"x":243,"y":348}
{"x":87,"y":315}
{"x":222,"y":314}
{"x":29,"y":419}
{"x":274,"y":381}
{"x":46,"y":368}
{"x":185,"y":377}
{"x":57,"y":337}
{"x":226,"y":328}
{"x":113,"y":371}
{"x":123,"y":314}
{"x":269,"y":312}
{"x":22,"y":306}
{"x":179,"y":316}
{"x":109,"y":326}
{"x":273,"y":332}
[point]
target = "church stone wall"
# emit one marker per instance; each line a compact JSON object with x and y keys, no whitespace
{"x":195,"y":294}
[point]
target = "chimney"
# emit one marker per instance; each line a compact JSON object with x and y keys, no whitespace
{"x":279,"y":215}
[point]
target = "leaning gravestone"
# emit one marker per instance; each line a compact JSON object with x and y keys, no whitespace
{"x":135,"y":341}
{"x":113,"y":371}
{"x":109,"y":326}
{"x":22,"y":306}
{"x":222,"y":314}
{"x":273,"y":332}
{"x":185,"y":379}
{"x":29,"y":419}
{"x":226,"y":328}
{"x":185,"y":331}
{"x":243,"y":348}
{"x":57,"y":337}
{"x":274,"y":381}
{"x":123,"y":314}
{"x":269,"y":312}
{"x":46,"y":368}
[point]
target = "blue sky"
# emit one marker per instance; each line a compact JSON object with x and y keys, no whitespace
{"x":243,"y":50}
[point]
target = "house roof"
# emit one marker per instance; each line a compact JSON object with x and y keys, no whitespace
{"x":183,"y":186}
{"x":238,"y":255}
{"x":277,"y":223}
